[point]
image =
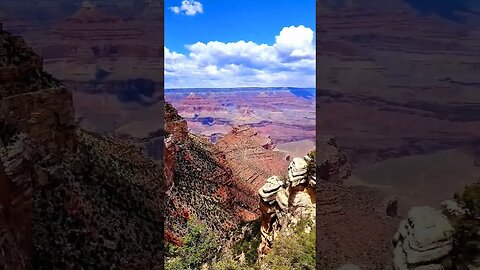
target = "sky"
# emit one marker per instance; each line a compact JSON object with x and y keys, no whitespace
{"x":228,"y":43}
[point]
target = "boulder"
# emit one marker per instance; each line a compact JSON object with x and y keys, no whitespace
{"x":297,"y":171}
{"x":422,"y":240}
{"x":269,"y":190}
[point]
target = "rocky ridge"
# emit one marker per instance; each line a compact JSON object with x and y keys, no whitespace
{"x":201,"y":184}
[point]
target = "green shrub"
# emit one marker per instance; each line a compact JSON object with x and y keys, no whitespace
{"x":199,"y":246}
{"x":295,"y":251}
{"x":467,"y":239}
{"x":312,"y":164}
{"x":250,"y":243}
{"x":229,"y":263}
{"x":471,"y":198}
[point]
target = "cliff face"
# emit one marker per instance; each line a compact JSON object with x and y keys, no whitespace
{"x":176,"y":133}
{"x":249,"y":155}
{"x":36,"y":122}
{"x":201,"y":184}
{"x":68,"y":197}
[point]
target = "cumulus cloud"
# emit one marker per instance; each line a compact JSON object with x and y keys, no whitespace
{"x":290,"y":61}
{"x":188,"y":7}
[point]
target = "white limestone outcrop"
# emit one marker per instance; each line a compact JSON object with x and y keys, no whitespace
{"x":284,"y":203}
{"x":423,"y":240}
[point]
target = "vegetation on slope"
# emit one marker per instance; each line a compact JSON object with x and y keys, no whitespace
{"x":312,"y":163}
{"x":199,"y":247}
{"x":293,"y":252}
{"x":250,"y":242}
{"x":100,"y":209}
{"x":199,"y":250}
{"x":467,"y":239}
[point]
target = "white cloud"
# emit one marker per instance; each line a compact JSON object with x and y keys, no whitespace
{"x":290,"y":61}
{"x":188,"y":7}
{"x":295,"y":42}
{"x":175,"y":10}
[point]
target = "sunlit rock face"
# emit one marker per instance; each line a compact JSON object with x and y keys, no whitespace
{"x":284,"y":203}
{"x":249,"y":153}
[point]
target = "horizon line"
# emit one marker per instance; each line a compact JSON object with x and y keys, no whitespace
{"x":243,"y":87}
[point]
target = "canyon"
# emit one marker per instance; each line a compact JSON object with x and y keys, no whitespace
{"x":69,"y":197}
{"x":397,"y":84}
{"x":286,"y":115}
{"x":108,"y":55}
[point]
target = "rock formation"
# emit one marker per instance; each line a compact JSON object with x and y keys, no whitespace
{"x":423,"y":240}
{"x":284,"y":203}
{"x":334,"y":166}
{"x":440,"y":239}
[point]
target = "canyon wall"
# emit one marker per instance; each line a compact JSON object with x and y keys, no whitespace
{"x":69,"y":197}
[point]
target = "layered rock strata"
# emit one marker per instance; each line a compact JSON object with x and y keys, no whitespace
{"x":250,"y":155}
{"x":343,"y":211}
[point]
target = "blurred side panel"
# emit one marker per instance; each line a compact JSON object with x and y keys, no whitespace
{"x":398,"y":128}
{"x":81,"y":123}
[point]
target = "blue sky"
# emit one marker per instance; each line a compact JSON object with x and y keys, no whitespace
{"x":228,"y":43}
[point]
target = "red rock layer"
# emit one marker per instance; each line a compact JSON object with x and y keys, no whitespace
{"x":250,"y":156}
